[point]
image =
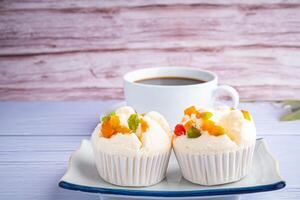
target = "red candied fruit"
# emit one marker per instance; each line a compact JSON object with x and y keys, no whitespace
{"x":179,"y":130}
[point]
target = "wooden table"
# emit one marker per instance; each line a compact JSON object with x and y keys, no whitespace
{"x":37,"y":138}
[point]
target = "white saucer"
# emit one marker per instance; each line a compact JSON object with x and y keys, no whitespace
{"x":82,"y":176}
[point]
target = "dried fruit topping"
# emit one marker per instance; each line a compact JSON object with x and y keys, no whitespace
{"x":207,"y":125}
{"x":114,"y":121}
{"x":105,"y":118}
{"x":212,"y":128}
{"x":106,"y":130}
{"x":217,"y":130}
{"x":193,"y":132}
{"x":246,"y":114}
{"x":206,"y":115}
{"x":133,"y":122}
{"x":190,"y":110}
{"x":188,"y":124}
{"x":179,"y":130}
{"x":198,"y":115}
{"x":109,"y":126}
{"x":144,"y":126}
{"x":123,"y":129}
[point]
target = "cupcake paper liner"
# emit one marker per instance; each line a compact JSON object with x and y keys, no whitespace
{"x":215,"y":169}
{"x":136,"y":171}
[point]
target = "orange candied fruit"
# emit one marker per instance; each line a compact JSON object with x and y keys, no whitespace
{"x":190,"y":110}
{"x":199,"y":115}
{"x":144,"y":125}
{"x":106,"y":130}
{"x":123,"y":129}
{"x":212,"y":128}
{"x":217,"y":130}
{"x":112,"y":126}
{"x":207,"y":125}
{"x":188,"y":124}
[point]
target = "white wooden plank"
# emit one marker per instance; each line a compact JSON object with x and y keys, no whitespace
{"x":285,"y":149}
{"x":35,"y":181}
{"x":36,"y":140}
{"x":50,"y":118}
{"x":80,"y":118}
{"x":39,"y":150}
{"x":32,"y":143}
{"x":267,"y":119}
{"x":35,"y":178}
{"x":285,"y":194}
{"x":40,"y":183}
{"x":32,"y":164}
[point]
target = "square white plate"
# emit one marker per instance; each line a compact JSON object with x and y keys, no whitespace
{"x":82,"y":175}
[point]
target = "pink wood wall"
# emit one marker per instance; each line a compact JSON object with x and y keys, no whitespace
{"x":79,"y":50}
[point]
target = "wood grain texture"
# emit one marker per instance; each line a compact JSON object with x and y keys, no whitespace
{"x":34,"y":150}
{"x":95,"y":75}
{"x":54,"y":30}
{"x":34,"y":174}
{"x":80,"y":118}
{"x":78,"y":50}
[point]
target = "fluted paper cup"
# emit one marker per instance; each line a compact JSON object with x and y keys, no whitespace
{"x":135,"y":171}
{"x":215,"y":168}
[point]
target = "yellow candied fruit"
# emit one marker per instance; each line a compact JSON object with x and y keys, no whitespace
{"x":114,"y":121}
{"x":188,"y":124}
{"x":246,"y":115}
{"x":203,"y":115}
{"x":212,"y":128}
{"x":123,"y":129}
{"x":217,"y":130}
{"x":190,"y":110}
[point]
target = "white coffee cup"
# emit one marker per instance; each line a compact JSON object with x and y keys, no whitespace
{"x":171,"y":100}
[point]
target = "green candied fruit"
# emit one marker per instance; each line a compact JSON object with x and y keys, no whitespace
{"x":193,"y":132}
{"x":133,"y":122}
{"x":105,"y":118}
{"x":207,"y":115}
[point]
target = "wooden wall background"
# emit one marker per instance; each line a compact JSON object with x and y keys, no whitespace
{"x":78,"y":50}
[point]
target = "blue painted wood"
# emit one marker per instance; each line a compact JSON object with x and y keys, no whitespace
{"x":37,"y":138}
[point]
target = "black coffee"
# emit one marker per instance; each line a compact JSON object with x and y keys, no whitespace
{"x":170,"y":81}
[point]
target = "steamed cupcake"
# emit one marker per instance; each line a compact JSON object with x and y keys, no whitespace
{"x":132,"y":149}
{"x":214,"y":146}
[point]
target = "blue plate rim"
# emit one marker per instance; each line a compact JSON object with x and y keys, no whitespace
{"x":191,"y":193}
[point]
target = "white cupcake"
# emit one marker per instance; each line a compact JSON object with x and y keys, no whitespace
{"x":132,"y":149}
{"x":214,"y":146}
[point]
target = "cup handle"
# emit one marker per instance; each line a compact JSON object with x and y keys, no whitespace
{"x":228,"y":90}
